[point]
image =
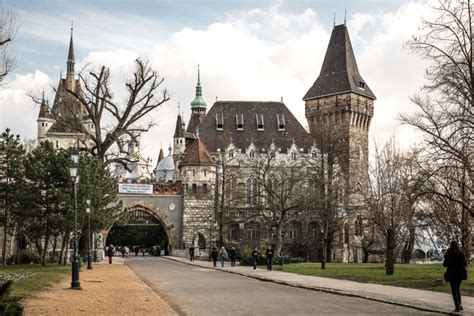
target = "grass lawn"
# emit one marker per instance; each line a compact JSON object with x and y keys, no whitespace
{"x":420,"y":276}
{"x":43,"y":276}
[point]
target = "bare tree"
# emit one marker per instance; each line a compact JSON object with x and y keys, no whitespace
{"x":326,"y":197}
{"x":385,"y":200}
{"x":8,"y":29}
{"x":279,"y":190}
{"x":446,"y":118}
{"x":113,"y":119}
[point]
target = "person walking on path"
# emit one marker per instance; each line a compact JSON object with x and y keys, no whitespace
{"x":456,"y":263}
{"x":223,"y":255}
{"x":232,"y":256}
{"x":269,"y":258}
{"x":214,"y":253}
{"x":110,"y":253}
{"x":255,"y":254}
{"x":191,"y":253}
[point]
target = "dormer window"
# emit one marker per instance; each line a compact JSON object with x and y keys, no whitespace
{"x":239,"y":121}
{"x":281,"y":122}
{"x":294,"y":155}
{"x":259,"y":118}
{"x":361,"y":85}
{"x":220,"y":122}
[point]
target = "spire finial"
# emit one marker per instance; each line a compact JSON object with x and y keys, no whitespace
{"x":43,"y":94}
{"x":199,"y":76}
{"x":70,"y":56}
{"x":179,"y":108}
{"x":334,"y":21}
{"x":345,"y":16}
{"x":72,"y":27}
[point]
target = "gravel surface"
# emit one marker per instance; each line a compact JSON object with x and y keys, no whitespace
{"x":106,"y":290}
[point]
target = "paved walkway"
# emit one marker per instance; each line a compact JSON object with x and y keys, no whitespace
{"x":420,"y":299}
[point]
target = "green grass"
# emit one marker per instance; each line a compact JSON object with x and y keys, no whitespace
{"x":419,"y":276}
{"x":44,"y":275}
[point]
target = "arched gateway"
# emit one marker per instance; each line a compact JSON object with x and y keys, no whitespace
{"x":157,"y":212}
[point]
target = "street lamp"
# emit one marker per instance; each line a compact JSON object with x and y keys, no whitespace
{"x":75,"y":283}
{"x":210,"y":232}
{"x":88,"y":211}
{"x":323,"y":257}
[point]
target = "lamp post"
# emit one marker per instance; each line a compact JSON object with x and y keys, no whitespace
{"x":210,"y":232}
{"x":88,"y":211}
{"x":323,"y":257}
{"x":75,"y":283}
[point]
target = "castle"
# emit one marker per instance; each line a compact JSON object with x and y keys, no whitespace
{"x":339,"y":105}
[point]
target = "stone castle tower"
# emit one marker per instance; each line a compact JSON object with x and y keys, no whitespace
{"x":339,"y":107}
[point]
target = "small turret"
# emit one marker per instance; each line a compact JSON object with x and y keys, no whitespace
{"x":179,"y":142}
{"x":44,"y":121}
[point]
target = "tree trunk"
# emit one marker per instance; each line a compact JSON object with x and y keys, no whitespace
{"x":45,"y":248}
{"x":66,"y":253}
{"x":63,"y":245}
{"x":324,"y":253}
{"x":366,"y":255}
{"x":408,"y":248}
{"x":39,"y":247}
{"x":389,"y":263}
{"x":4,"y":246}
{"x":55,"y":243}
{"x":279,"y":241}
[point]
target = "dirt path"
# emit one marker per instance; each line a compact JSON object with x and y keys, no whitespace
{"x":119,"y":293}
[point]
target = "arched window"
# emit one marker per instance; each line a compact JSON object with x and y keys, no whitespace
{"x":254,"y":192}
{"x":249,"y":191}
{"x":346,"y":233}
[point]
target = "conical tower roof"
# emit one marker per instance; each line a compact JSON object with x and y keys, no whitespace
{"x":161,"y":155}
{"x":178,"y":131}
{"x":198,"y":102}
{"x":339,"y":73}
{"x":70,"y":56}
{"x":197,"y":154}
{"x":44,"y":109}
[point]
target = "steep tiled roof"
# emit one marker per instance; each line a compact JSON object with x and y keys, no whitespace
{"x":262,"y":124}
{"x":194,"y":121}
{"x":44,"y":110}
{"x":197,"y":154}
{"x":339,"y":72}
{"x":178,"y":131}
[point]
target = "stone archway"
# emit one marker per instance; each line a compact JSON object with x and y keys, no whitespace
{"x":157,"y":213}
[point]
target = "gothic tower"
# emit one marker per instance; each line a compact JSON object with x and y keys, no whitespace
{"x":198,"y":108}
{"x":339,"y":107}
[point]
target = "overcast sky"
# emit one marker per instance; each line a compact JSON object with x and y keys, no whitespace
{"x":248,"y":50}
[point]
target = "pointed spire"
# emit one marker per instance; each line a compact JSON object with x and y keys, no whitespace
{"x":70,"y":56}
{"x":44,"y":110}
{"x":345,"y":16}
{"x":198,"y":104}
{"x":339,"y":72}
{"x":161,"y":156}
{"x":178,"y":131}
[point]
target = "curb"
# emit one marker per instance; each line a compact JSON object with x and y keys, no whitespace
{"x":321,"y":289}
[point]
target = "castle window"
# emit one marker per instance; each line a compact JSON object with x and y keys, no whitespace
{"x":194,"y":188}
{"x":292,"y":234}
{"x":204,"y":188}
{"x":260,"y":123}
{"x":252,"y":153}
{"x":313,"y":154}
{"x":231,"y":154}
{"x":220,"y":122}
{"x":294,"y":156}
{"x":361,"y":85}
{"x":194,"y":173}
{"x":281,"y":122}
{"x":239,"y":121}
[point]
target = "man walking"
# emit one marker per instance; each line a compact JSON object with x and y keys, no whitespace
{"x":110,"y":252}
{"x":214,"y":253}
{"x":191,"y":253}
{"x":232,"y":256}
{"x":255,"y":255}
{"x":269,"y":258}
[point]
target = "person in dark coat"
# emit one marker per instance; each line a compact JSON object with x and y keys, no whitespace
{"x":110,"y":253}
{"x":456,"y":263}
{"x":232,"y":256}
{"x":255,"y":254}
{"x":213,"y":255}
{"x":191,"y":253}
{"x":269,"y":258}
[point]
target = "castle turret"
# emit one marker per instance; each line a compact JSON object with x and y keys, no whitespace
{"x":198,"y":107}
{"x":339,"y":108}
{"x":44,"y":121}
{"x":179,"y":141}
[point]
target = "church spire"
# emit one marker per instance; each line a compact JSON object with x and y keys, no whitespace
{"x":70,"y":56}
{"x":198,"y":104}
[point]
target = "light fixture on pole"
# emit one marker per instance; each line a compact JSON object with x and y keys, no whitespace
{"x":75,"y":283}
{"x":88,"y":211}
{"x":210,"y":232}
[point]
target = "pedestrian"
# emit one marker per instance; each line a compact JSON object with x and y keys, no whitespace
{"x":110,"y":253}
{"x":456,"y":263}
{"x":223,"y":255}
{"x":255,"y":255}
{"x":269,"y":258}
{"x":126,"y":250}
{"x":232,"y":256}
{"x":191,"y":253}
{"x":213,"y":256}
{"x":137,"y":250}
